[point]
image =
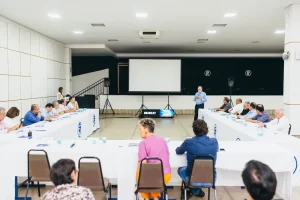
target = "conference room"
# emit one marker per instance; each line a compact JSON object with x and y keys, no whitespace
{"x":149,"y":100}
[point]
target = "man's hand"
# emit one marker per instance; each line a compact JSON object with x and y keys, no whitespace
{"x":47,"y":119}
{"x":39,"y":115}
{"x":261,"y":124}
{"x":199,"y":97}
{"x":247,"y":120}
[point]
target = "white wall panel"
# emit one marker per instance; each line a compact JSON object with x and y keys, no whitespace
{"x":4,"y":105}
{"x":14,"y":87}
{"x":3,"y":61}
{"x":35,"y":101}
{"x":50,"y":69}
{"x":26,"y":87}
{"x":51,"y":99}
{"x":57,"y":66}
{"x":35,"y":44}
{"x":3,"y":33}
{"x":51,"y":90}
{"x":14,"y":63}
{"x":62,"y":71}
{"x":63,"y":83}
{"x":59,"y":51}
{"x":4,"y":87}
{"x":13,"y":37}
{"x":25,"y":106}
{"x":24,"y":40}
{"x":25,"y":65}
{"x":50,"y":49}
{"x":43,"y":47}
{"x":57,"y":85}
{"x":44,"y":101}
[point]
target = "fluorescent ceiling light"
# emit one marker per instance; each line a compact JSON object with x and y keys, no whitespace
{"x":230,"y":15}
{"x":279,"y":32}
{"x":77,"y":32}
{"x":212,"y":32}
{"x":141,"y":15}
{"x":54,"y":15}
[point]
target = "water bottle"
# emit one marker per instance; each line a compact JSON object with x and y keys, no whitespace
{"x":215,"y":130}
{"x":260,"y":131}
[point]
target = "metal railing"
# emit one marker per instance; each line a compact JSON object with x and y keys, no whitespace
{"x":96,"y":89}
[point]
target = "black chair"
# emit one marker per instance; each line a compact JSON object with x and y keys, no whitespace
{"x":151,"y":178}
{"x":202,"y":176}
{"x":290,"y":128}
{"x":90,"y":176}
{"x":38,"y":168}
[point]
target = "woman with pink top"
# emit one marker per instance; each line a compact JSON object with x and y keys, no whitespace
{"x":153,"y":146}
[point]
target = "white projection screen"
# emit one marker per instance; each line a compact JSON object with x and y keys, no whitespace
{"x":154,"y":75}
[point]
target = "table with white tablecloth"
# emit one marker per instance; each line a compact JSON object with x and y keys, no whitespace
{"x":119,"y":161}
{"x":229,"y":129}
{"x":76,"y":125}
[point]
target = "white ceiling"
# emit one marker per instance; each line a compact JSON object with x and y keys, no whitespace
{"x":181,"y":23}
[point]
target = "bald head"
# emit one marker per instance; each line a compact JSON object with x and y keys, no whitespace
{"x":279,"y":113}
{"x":35,"y":108}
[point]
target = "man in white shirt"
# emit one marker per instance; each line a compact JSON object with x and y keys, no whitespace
{"x":238,"y":108}
{"x":280,"y":123}
{"x":63,"y":106}
{"x":56,"y":110}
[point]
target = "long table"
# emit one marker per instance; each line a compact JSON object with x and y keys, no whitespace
{"x":77,"y":125}
{"x":119,"y":161}
{"x":227,"y":129}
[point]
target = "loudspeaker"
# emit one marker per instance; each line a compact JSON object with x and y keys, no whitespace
{"x":106,"y":82}
{"x":230,"y":81}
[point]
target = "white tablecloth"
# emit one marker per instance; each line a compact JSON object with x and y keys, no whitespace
{"x":229,"y":130}
{"x":119,"y":161}
{"x":65,"y":127}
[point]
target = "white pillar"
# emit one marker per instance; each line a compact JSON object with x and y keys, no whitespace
{"x":68,"y":64}
{"x":292,"y":67}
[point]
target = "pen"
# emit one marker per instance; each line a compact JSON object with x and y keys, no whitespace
{"x":72,"y":145}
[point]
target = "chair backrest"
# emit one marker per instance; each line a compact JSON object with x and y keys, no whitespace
{"x":90,"y":174}
{"x":151,"y":176}
{"x":202,"y":170}
{"x":290,"y":128}
{"x":38,"y":165}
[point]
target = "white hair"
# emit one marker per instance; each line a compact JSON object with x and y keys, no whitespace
{"x":281,"y":110}
{"x":1,"y":108}
{"x":200,"y":87}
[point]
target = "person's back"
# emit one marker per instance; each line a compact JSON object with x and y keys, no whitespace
{"x":68,"y":192}
{"x":155,"y":147}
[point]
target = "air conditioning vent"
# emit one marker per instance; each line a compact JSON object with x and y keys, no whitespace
{"x":202,"y":40}
{"x":255,"y":42}
{"x":219,"y":25}
{"x":149,"y":34}
{"x":98,"y":25}
{"x":113,"y":40}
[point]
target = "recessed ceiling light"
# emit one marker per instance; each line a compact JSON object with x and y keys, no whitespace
{"x":77,"y":32}
{"x":54,"y":15}
{"x":141,"y":15}
{"x":279,"y":32}
{"x":212,"y":32}
{"x":230,"y":15}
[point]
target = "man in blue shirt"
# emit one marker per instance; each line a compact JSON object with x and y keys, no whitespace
{"x":262,"y":115}
{"x":47,"y":111}
{"x":200,"y":99}
{"x":34,"y":116}
{"x":252,"y":112}
{"x":199,"y":144}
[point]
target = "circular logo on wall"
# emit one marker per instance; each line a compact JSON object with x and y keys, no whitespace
{"x":207,"y":73}
{"x":248,"y":73}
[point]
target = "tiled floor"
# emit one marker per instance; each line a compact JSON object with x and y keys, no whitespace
{"x":126,"y":127}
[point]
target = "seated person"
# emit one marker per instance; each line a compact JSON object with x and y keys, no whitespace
{"x":63,"y":175}
{"x":245,"y":109}
{"x":56,"y":110}
{"x":153,"y":146}
{"x":11,"y":118}
{"x":260,"y":180}
{"x":226,"y":105}
{"x":34,"y":115}
{"x":73,"y":105}
{"x":251,"y":113}
{"x":280,"y":123}
{"x":238,"y":108}
{"x":4,"y":128}
{"x":262,"y":115}
{"x":47,"y":111}
{"x":63,"y":106}
{"x":199,"y":144}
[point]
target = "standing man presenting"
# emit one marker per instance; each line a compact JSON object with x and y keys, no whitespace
{"x":200,"y":99}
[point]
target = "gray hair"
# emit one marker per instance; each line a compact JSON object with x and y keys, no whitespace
{"x":54,"y":103}
{"x":247,"y":102}
{"x":1,"y":108}
{"x":200,"y":87}
{"x":281,"y":110}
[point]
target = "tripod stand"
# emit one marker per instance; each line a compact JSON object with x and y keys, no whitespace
{"x":107,"y":104}
{"x":168,"y":106}
{"x":230,"y":100}
{"x":141,"y":107}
